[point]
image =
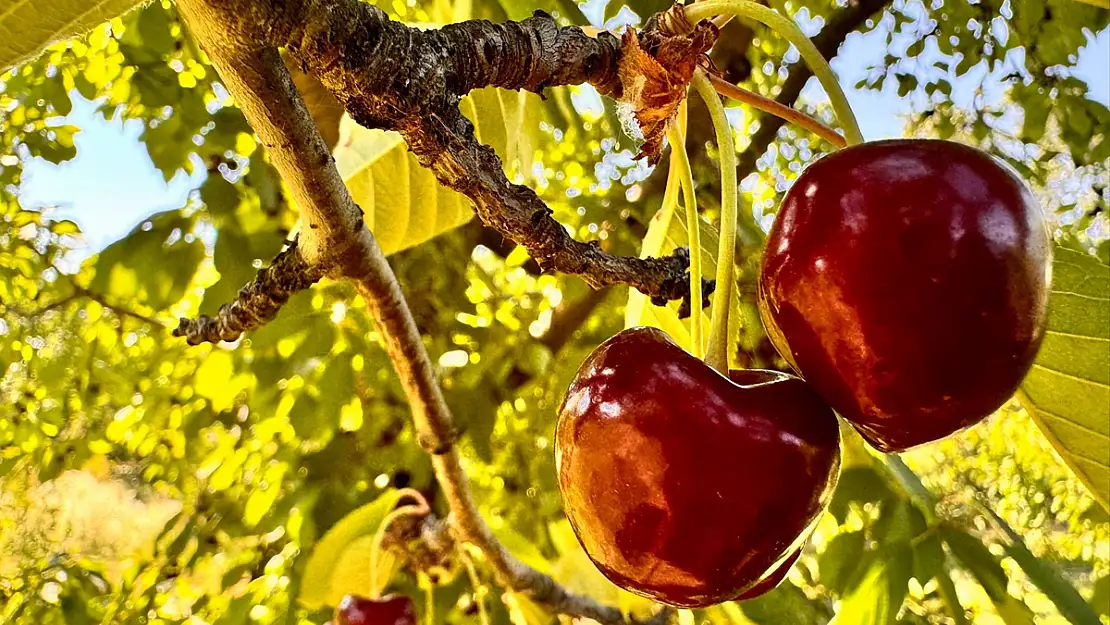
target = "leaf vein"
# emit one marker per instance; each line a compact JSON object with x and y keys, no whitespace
{"x":1056,"y":417}
{"x":1082,"y":296}
{"x":1085,"y":337}
{"x":1070,"y":376}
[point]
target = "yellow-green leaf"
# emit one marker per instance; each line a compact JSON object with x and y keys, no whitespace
{"x":27,"y":27}
{"x":523,"y":611}
{"x":404,"y":204}
{"x":878,"y":597}
{"x":332,"y":567}
{"x":1068,"y":389}
{"x":666,"y":232}
{"x":522,"y":548}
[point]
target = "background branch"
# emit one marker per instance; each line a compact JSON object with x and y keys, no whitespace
{"x":828,"y":41}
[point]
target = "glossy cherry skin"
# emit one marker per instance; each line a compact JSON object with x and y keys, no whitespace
{"x":685,"y":486}
{"x":907,"y":281}
{"x":388,"y":610}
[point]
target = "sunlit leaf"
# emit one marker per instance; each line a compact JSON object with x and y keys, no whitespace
{"x":323,"y":585}
{"x":27,"y":27}
{"x":404,"y":204}
{"x":666,"y":232}
{"x":216,"y":380}
{"x":1068,"y":390}
{"x":878,"y":597}
{"x":125,"y":270}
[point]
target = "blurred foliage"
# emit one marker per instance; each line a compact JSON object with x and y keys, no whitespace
{"x":145,"y":481}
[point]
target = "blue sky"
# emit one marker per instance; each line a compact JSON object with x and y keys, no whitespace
{"x":112,"y":185}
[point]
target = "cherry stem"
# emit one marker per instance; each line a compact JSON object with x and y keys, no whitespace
{"x":429,"y":599}
{"x":686,"y":176}
{"x":767,"y":105}
{"x":716,"y":355}
{"x":707,"y":9}
{"x":420,"y":509}
{"x":476,"y":584}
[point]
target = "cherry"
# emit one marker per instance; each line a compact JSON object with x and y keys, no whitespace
{"x":388,"y":610}
{"x":907,"y":281}
{"x":685,"y":486}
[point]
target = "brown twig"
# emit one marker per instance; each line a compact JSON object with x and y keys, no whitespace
{"x":80,"y":292}
{"x":781,"y":111}
{"x":257,"y":303}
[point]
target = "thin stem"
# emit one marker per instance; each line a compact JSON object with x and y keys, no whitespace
{"x":947,"y":589}
{"x":784,"y":26}
{"x":476,"y":584}
{"x":767,"y":105}
{"x":686,"y":177}
{"x":918,"y":493}
{"x":716,"y":355}
{"x":429,"y":600}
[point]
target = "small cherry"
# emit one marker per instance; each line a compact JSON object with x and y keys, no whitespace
{"x":907,"y":281}
{"x":683,"y":485}
{"x":388,"y":610}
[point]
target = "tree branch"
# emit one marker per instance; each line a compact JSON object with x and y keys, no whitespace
{"x":334,"y":240}
{"x":390,"y":76}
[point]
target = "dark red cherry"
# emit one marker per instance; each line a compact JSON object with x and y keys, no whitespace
{"x":389,"y":610}
{"x":685,"y":486}
{"x":907,"y":281}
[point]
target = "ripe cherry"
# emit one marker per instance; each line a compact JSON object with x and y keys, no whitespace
{"x":388,"y":610}
{"x":685,"y":486}
{"x":907,"y":281}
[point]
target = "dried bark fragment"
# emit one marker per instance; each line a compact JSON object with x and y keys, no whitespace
{"x":655,"y":71}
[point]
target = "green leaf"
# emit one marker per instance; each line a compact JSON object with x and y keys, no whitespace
{"x":1067,"y":392}
{"x":403,"y":202}
{"x":928,"y":559}
{"x":325,"y":582}
{"x":900,"y":522}
{"x":1100,"y":599}
{"x":785,"y":605}
{"x":154,"y":264}
{"x":234,"y":256}
{"x":981,"y":563}
{"x":26,"y":27}
{"x":839,"y":560}
{"x":859,"y":484}
{"x":878,"y":597}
